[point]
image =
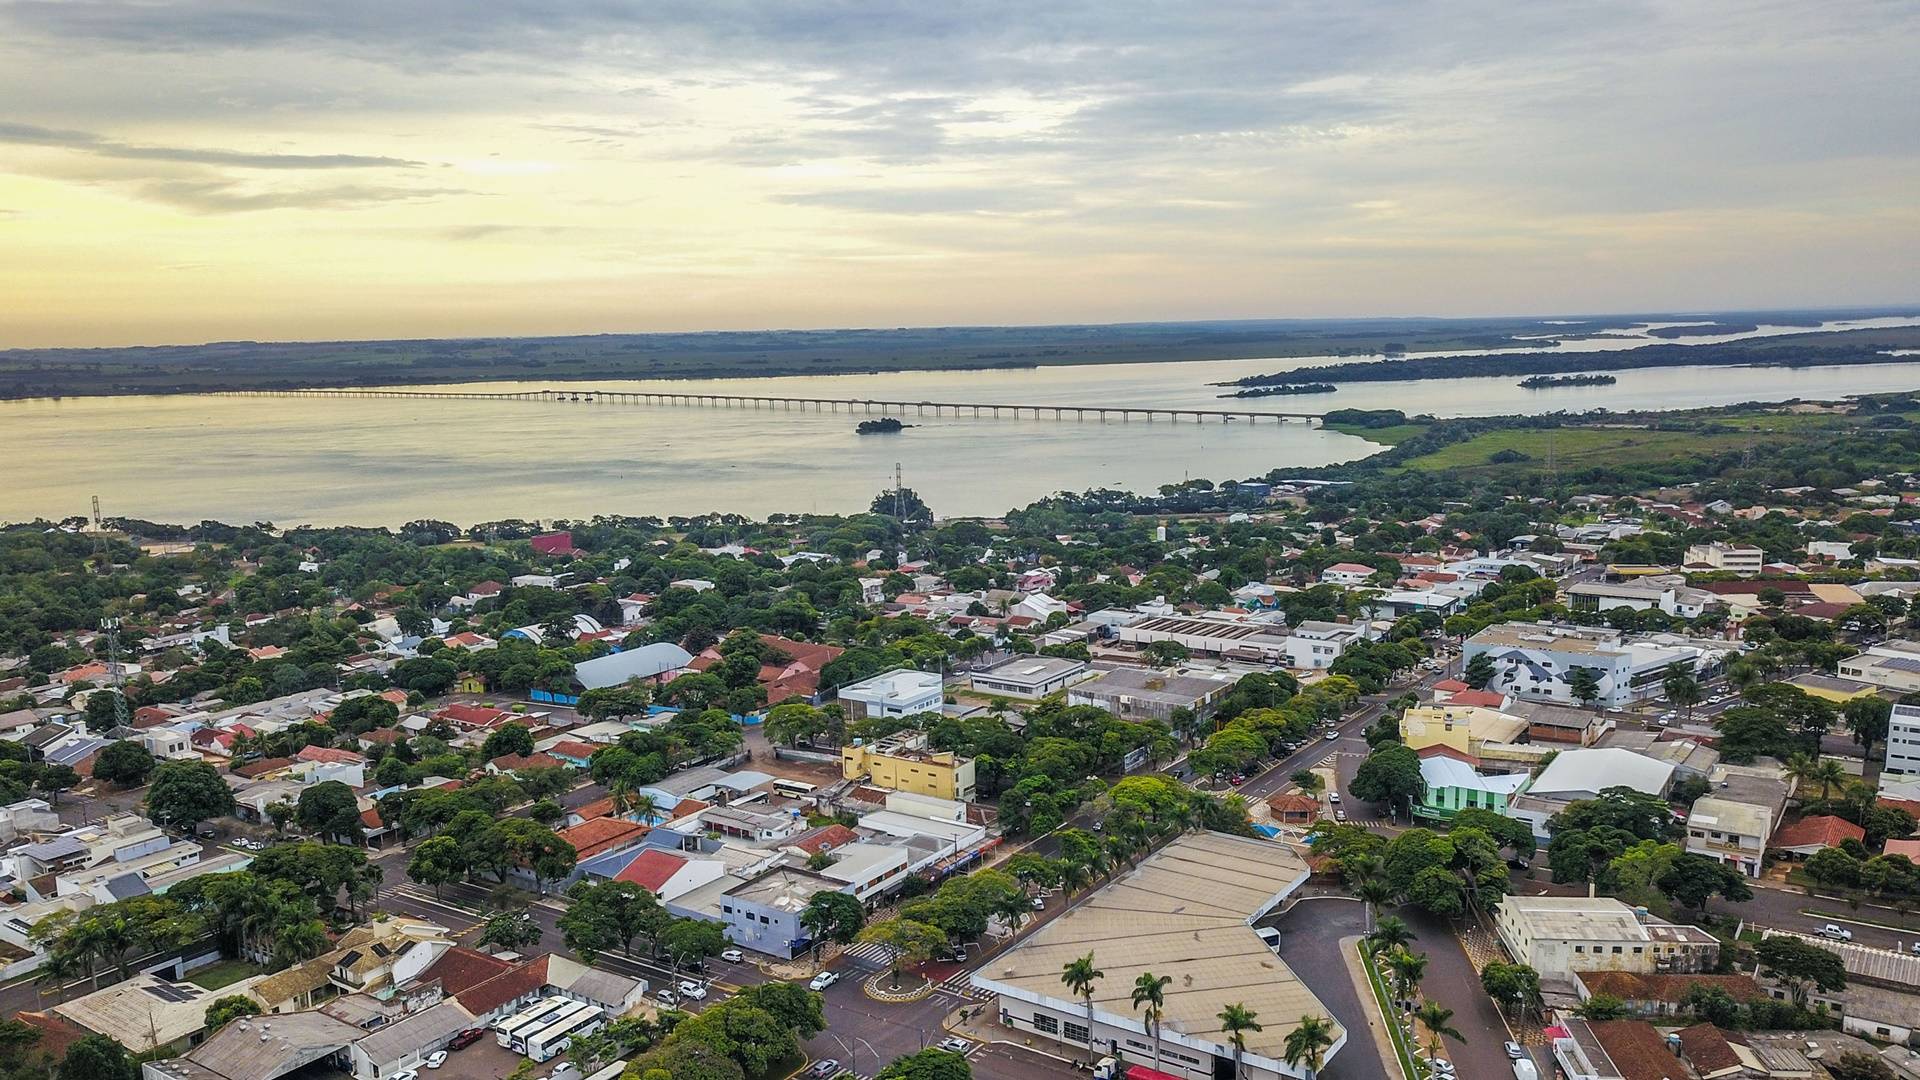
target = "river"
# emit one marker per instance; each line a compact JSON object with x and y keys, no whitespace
{"x":385,"y":461}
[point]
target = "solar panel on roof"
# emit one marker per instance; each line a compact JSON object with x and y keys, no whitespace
{"x":1901,"y":663}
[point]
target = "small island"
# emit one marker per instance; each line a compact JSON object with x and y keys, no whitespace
{"x":1285,"y":388}
{"x":1541,"y":382}
{"x":886,"y":425}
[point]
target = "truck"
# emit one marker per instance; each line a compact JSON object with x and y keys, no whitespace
{"x":1114,"y":1069}
{"x":1523,"y":1070}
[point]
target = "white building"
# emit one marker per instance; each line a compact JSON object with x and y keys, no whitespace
{"x":1347,"y":573}
{"x":1891,"y":665}
{"x":1676,"y":600}
{"x":1742,"y":559}
{"x":1731,"y":832}
{"x":1028,"y":677}
{"x":1903,"y":746}
{"x":1558,"y":935}
{"x":900,"y":692}
{"x":1536,"y":660}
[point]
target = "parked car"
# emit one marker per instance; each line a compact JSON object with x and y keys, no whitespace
{"x":1339,"y":815}
{"x":667,"y":997}
{"x":1333,"y":797}
{"x":405,"y":1074}
{"x":466,"y":1038}
{"x":1515,"y":1051}
{"x":733,"y":956}
{"x":436,"y":1059}
{"x":690,"y":989}
{"x":823,"y":1068}
{"x":823,"y":980}
{"x":1331,"y":736}
{"x":954,"y":1044}
{"x":1441,"y":1067}
{"x":1039,"y":903}
{"x":1836,"y":932}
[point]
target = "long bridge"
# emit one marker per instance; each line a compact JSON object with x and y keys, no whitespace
{"x":867,"y":406}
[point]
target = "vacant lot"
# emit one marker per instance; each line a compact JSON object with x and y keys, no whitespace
{"x":1573,"y":447}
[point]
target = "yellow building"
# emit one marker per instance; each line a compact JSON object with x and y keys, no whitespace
{"x":1463,"y":728}
{"x":1838,"y":691}
{"x":903,"y":763}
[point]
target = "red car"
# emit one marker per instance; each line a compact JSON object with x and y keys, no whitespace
{"x":466,"y":1038}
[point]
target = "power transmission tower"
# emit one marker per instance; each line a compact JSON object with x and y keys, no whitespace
{"x":111,"y":625}
{"x":899,"y":494}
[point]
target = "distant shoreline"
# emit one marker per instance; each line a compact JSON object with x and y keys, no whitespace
{"x":27,"y":374}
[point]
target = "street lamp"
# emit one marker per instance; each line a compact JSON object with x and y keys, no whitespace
{"x":853,"y":1058}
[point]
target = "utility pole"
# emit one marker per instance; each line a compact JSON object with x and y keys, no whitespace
{"x":111,"y":625}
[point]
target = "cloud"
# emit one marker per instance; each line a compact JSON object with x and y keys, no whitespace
{"x":89,"y":143}
{"x":936,"y":200}
{"x":228,"y":197}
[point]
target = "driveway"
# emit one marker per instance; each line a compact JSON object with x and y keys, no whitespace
{"x":1310,"y":936}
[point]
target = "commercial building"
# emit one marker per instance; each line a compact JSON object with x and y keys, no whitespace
{"x":1559,"y":935}
{"x":900,"y":692}
{"x":1731,"y":832}
{"x":903,"y":762}
{"x":1464,"y":729}
{"x":1028,"y":677}
{"x":1186,"y":912}
{"x":1903,"y":745}
{"x":1453,"y":786}
{"x":1256,"y":639}
{"x":1134,"y":693}
{"x":1537,"y":661}
{"x":1891,"y":665}
{"x":1744,"y":560}
{"x":1676,"y":600}
{"x":1574,"y":775}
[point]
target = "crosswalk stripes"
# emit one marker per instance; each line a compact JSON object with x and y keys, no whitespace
{"x":960,"y":985}
{"x":869,"y":953}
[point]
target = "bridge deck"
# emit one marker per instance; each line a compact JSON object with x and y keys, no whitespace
{"x":871,"y":406}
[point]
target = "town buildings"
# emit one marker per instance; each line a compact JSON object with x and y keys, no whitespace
{"x":903,"y":762}
{"x":1559,"y":935}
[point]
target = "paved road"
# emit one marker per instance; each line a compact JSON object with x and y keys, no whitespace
{"x":1454,"y":981}
{"x":1310,"y":934}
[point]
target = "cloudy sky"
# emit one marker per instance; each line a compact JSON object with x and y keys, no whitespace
{"x":189,"y":171}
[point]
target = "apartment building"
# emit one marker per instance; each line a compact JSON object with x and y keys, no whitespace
{"x":1742,"y":559}
{"x":1537,"y":660}
{"x":904,"y":762}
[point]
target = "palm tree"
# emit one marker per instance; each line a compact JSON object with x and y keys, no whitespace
{"x":1236,"y":1020}
{"x":620,"y":793}
{"x":1373,"y":892}
{"x":1080,"y":976}
{"x":643,"y":806}
{"x":1392,"y":933}
{"x":1075,"y":876}
{"x":1438,"y":1020}
{"x":1830,"y":774}
{"x":1150,"y":997}
{"x":1307,"y":1043}
{"x":1408,"y":969}
{"x":1359,"y":868}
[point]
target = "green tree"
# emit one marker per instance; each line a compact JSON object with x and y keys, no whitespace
{"x":1867,"y":718}
{"x":1080,"y":977}
{"x":1802,"y":965}
{"x":1514,"y":987}
{"x":96,"y":1057}
{"x":833,"y":916}
{"x":186,"y":793}
{"x":437,"y":862}
{"x":1602,"y":1007}
{"x":1165,"y":653}
{"x":230,"y":1007}
{"x":1682,"y":689}
{"x":507,"y":739}
{"x":1584,"y":684}
{"x":1308,"y":1042}
{"x":1438,"y":1020}
{"x":912,"y":943}
{"x":1150,"y":997}
{"x":331,"y":810}
{"x":1479,"y":671}
{"x":928,"y":1064}
{"x":123,"y":762}
{"x":1235,"y":1021}
{"x":1391,"y":775}
{"x":510,"y":932}
{"x":1694,"y":879}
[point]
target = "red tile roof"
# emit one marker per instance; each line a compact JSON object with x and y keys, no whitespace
{"x":557,"y":543}
{"x":1451,"y":686}
{"x":460,"y":969}
{"x":573,"y":748}
{"x":262,"y":767}
{"x":1708,"y":1049}
{"x":590,"y":838}
{"x":474,"y":715}
{"x":652,"y":870}
{"x":1822,"y":830}
{"x":1287,"y":805}
{"x":329,"y":754}
{"x":1486,"y":699}
{"x":825,"y":838}
{"x":1635,"y":986}
{"x":1638,"y":1051}
{"x":1909,"y":848}
{"x":381,"y":736}
{"x":598,"y":808}
{"x":517,"y":982}
{"x":511,"y":762}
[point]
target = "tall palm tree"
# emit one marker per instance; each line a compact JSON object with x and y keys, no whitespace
{"x":1392,"y":933}
{"x":1150,"y":997}
{"x":1307,"y":1043}
{"x":1408,"y":969}
{"x":1438,"y":1020}
{"x":1236,"y":1020}
{"x":1373,"y":892}
{"x":1802,"y":767}
{"x":1359,"y":868}
{"x":1075,"y":876}
{"x":1080,"y":976}
{"x":620,"y":793}
{"x":643,"y":806}
{"x":1830,"y":774}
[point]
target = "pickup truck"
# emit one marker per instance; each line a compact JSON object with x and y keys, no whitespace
{"x":1836,"y":932}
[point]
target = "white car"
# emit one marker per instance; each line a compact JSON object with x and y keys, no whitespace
{"x":733,"y":956}
{"x":1836,"y":932}
{"x":405,"y":1074}
{"x":954,"y":1044}
{"x":1333,"y":797}
{"x":667,"y":998}
{"x":823,"y":980}
{"x":690,"y":989}
{"x":436,"y":1059}
{"x":1441,"y":1067}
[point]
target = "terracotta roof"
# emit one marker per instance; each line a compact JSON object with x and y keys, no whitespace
{"x":1451,"y":686}
{"x":511,"y":762}
{"x":1636,"y":986}
{"x":57,"y":1033}
{"x":461,"y":969}
{"x":1909,"y":848}
{"x":1823,"y":830}
{"x":382,"y":736}
{"x":824,"y":838}
{"x":262,"y":767}
{"x":1486,"y":699}
{"x":484,"y":997}
{"x":598,"y":808}
{"x":1294,"y":804}
{"x":1708,"y":1049}
{"x":370,"y":817}
{"x":474,"y":715}
{"x":329,"y":754}
{"x":590,"y":838}
{"x":573,"y":748}
{"x":686,"y":807}
{"x":1638,"y":1051}
{"x":652,"y":870}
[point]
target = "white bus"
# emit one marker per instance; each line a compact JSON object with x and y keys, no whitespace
{"x":543,"y":1043}
{"x":795,"y":789}
{"x":528,"y":1019}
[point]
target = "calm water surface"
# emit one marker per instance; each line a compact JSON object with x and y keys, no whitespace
{"x":385,"y":461}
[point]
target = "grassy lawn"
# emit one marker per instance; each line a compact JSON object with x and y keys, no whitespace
{"x":223,"y":974}
{"x":1385,"y":436}
{"x":1574,"y":447}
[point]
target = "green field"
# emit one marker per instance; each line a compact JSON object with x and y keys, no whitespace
{"x":1385,"y":436}
{"x":223,"y":974}
{"x":1572,"y":447}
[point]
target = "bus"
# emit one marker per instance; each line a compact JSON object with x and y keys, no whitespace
{"x":543,"y":1043}
{"x":795,"y":789}
{"x":528,"y":1019}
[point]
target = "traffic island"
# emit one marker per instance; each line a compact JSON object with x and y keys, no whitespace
{"x":913,"y":987}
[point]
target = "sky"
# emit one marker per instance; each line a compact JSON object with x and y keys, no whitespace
{"x":257,"y":169}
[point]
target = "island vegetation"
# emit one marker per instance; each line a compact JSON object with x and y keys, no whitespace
{"x":253,"y":365}
{"x":1542,"y":382}
{"x":1284,"y":388}
{"x":885,"y":425}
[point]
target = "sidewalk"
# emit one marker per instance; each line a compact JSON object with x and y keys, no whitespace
{"x":981,"y":1024}
{"x":1376,"y":1024}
